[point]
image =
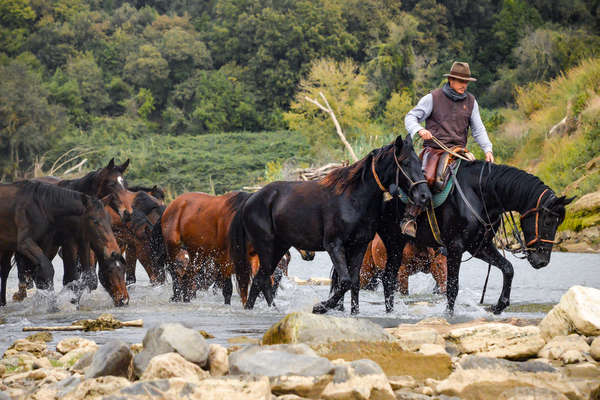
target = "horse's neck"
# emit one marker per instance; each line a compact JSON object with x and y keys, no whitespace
{"x":86,"y":184}
{"x":516,"y":194}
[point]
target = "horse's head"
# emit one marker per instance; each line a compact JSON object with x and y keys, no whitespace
{"x":102,"y":240}
{"x":539,"y":227}
{"x":110,"y":181}
{"x":406,"y":172}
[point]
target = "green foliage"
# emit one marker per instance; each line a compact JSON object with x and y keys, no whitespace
{"x":396,"y":109}
{"x":145,"y":103}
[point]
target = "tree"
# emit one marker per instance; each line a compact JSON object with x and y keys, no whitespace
{"x":147,"y":68}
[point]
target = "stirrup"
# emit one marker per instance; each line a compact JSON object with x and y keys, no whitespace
{"x":409,"y":227}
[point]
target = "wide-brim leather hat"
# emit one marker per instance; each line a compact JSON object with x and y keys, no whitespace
{"x":461,"y":70}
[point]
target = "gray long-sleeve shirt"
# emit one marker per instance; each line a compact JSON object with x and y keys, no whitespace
{"x":423,"y":110}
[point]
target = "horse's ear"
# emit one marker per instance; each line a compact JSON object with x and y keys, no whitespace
{"x":123,"y":166}
{"x":111,"y":164}
{"x":409,"y":140}
{"x":567,"y":200}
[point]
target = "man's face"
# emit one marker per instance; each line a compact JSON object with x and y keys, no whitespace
{"x":458,"y":85}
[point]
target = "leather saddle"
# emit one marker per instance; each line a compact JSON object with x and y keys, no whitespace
{"x":437,"y":163}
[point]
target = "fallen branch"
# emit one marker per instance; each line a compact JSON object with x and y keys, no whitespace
{"x":104,"y":322}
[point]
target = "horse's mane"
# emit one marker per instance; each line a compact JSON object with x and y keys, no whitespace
{"x":84,"y":182}
{"x":145,"y":203}
{"x":340,"y":179}
{"x":49,"y":194}
{"x":151,"y":190}
{"x":237,"y":200}
{"x":518,"y":181}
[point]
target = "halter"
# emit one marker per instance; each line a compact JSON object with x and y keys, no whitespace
{"x":537,"y":209}
{"x":399,"y":168}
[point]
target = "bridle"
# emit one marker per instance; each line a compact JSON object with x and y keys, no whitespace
{"x":537,"y":210}
{"x":399,"y":169}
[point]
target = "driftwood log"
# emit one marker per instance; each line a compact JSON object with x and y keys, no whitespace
{"x":102,"y":323}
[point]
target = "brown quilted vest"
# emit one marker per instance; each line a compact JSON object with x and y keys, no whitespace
{"x":449,"y":120}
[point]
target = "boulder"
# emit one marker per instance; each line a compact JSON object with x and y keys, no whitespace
{"x":113,"y":358}
{"x":173,"y":365}
{"x":168,"y":338}
{"x":74,"y":355}
{"x":37,"y":348}
{"x":558,"y":345}
{"x":428,"y":349}
{"x":40,"y":337}
{"x":42,"y":362}
{"x":218,"y":360}
{"x":392,"y":358}
{"x":83,"y":362}
{"x":96,"y":388}
{"x":402,"y":382}
{"x":19,"y":362}
{"x":412,"y":337}
{"x":583,"y":370}
{"x":361,"y":379}
{"x":572,"y":357}
{"x":303,"y":386}
{"x":405,"y":394}
{"x":577,"y":312}
{"x":239,"y":388}
{"x":278,"y":360}
{"x":312,"y":329}
{"x":531,"y":393}
{"x":487,"y":378}
{"x":498,"y":340}
{"x":595,"y":349}
{"x":71,"y":343}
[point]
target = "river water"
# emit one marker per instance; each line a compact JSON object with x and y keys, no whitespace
{"x":533,"y":292}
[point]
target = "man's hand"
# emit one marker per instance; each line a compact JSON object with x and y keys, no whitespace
{"x":425,"y":134}
{"x":489,"y":157}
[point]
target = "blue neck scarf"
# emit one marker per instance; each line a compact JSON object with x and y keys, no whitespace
{"x":453,"y":94}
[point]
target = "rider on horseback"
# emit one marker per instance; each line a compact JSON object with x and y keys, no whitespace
{"x":448,"y":113}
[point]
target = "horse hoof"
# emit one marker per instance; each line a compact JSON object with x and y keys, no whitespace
{"x":339,"y":307}
{"x":496,"y":310}
{"x":320,"y":309}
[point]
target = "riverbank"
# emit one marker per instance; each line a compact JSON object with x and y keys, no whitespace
{"x":310,"y":356}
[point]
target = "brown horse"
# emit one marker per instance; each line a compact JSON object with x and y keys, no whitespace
{"x":414,"y":259}
{"x":195,"y":231}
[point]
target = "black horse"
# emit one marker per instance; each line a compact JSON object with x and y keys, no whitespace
{"x":469,"y":219}
{"x":338,"y":214}
{"x":33,"y":212}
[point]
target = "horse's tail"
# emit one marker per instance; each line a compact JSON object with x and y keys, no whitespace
{"x":238,"y":253}
{"x":158,"y":250}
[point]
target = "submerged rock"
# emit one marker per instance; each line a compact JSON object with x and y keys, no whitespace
{"x":312,"y":329}
{"x":577,"y":312}
{"x":498,"y":340}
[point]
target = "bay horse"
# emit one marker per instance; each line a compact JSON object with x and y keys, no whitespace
{"x":337,"y":214}
{"x":415,"y":258}
{"x":134,"y":235}
{"x":32,"y":212}
{"x":192,"y":240}
{"x":469,"y":219}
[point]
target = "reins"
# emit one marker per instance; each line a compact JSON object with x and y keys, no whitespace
{"x":387,"y":194}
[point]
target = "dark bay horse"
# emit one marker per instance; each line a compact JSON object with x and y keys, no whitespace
{"x":195,"y":231}
{"x":33,"y":212}
{"x":469,"y":219}
{"x":338,"y":214}
{"x":415,"y":259}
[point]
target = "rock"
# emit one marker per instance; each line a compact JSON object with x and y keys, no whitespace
{"x":304,"y":386}
{"x":312,"y":329}
{"x":412,"y":337}
{"x":113,"y":358}
{"x":291,"y":397}
{"x":69,"y":359}
{"x":361,"y":379}
{"x":590,"y":201}
{"x":4,"y":396}
{"x":218,"y":360}
{"x":18,"y":362}
{"x":584,"y":370}
{"x":40,"y":337}
{"x":595,"y":349}
{"x":560,"y":344}
{"x":402,"y":382}
{"x":36,"y":348}
{"x":96,"y":388}
{"x":83,"y":362}
{"x":487,"y":378}
{"x":36,"y":375}
{"x":572,"y":357}
{"x":42,"y":363}
{"x":405,"y":394}
{"x":168,"y":338}
{"x":531,"y":393}
{"x":392,"y":358}
{"x":136,"y":348}
{"x":244,"y":340}
{"x":498,"y":340}
{"x":577,"y":312}
{"x":2,"y":370}
{"x":278,"y":360}
{"x":428,"y":349}
{"x":173,"y":365}
{"x":205,"y":334}
{"x":71,"y":343}
{"x":239,"y":388}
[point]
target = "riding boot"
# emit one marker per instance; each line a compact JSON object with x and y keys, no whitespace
{"x":408,"y":224}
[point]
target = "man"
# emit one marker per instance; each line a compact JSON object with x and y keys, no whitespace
{"x":448,"y":113}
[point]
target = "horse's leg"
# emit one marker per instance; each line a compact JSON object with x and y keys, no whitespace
{"x":438,"y":270}
{"x":489,"y":253}
{"x":394,"y":247}
{"x":453,"y":263}
{"x":44,"y":273}
{"x":403,"y":278}
{"x":71,"y":272}
{"x":227,"y":290}
{"x":130,"y":259}
{"x":268,"y":263}
{"x":336,"y":251}
{"x":355,"y":260}
{"x":334,"y":283}
{"x":5,"y":267}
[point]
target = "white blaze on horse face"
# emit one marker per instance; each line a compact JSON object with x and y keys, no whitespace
{"x":121,"y":182}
